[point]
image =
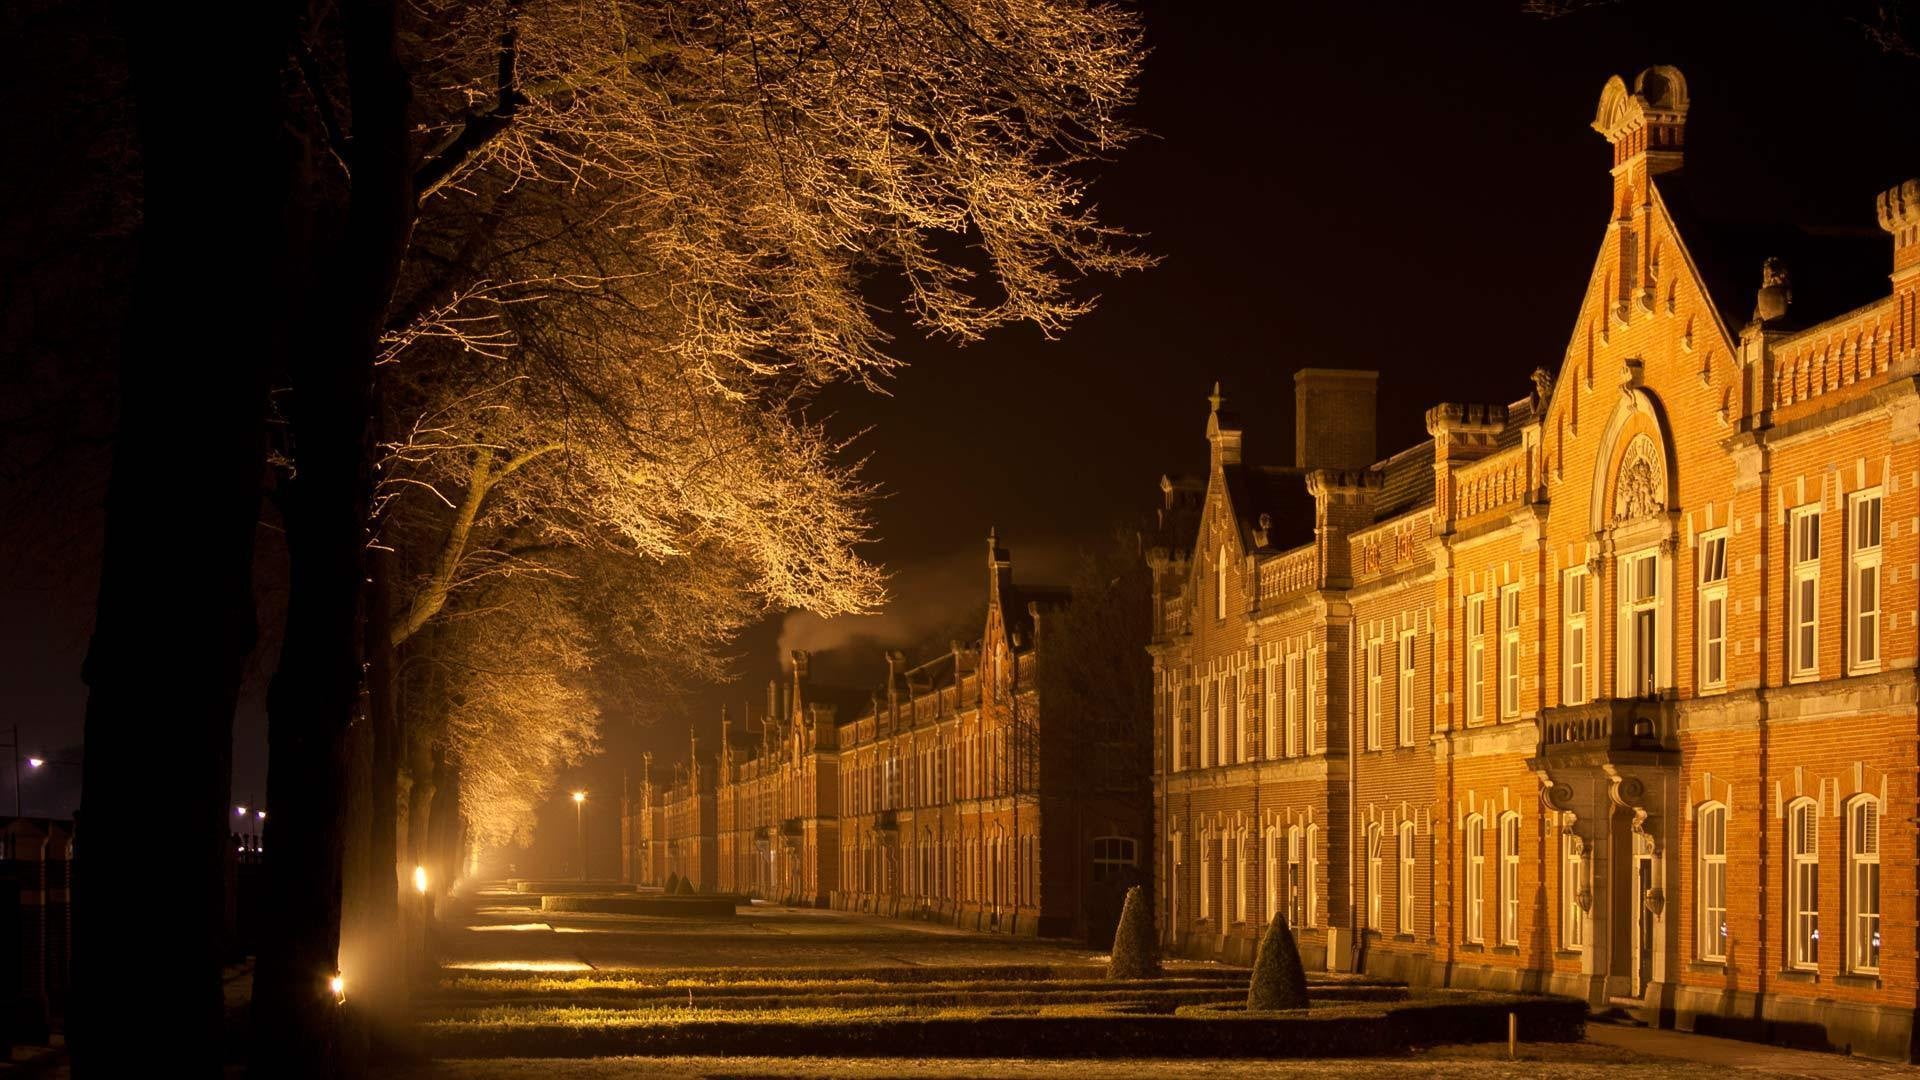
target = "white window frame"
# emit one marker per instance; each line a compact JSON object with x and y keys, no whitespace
{"x":1510,"y":661}
{"x":1271,"y":843}
{"x":1239,"y":706}
{"x":1710,"y":883}
{"x":1476,"y":624}
{"x":1865,"y":584}
{"x":1240,"y":876}
{"x":1573,"y":867}
{"x":1476,"y":873}
{"x":1803,"y":593}
{"x":1293,"y":704}
{"x":1409,"y":657}
{"x":1510,"y":879}
{"x":1803,"y":885}
{"x":1312,"y":853}
{"x":1296,"y":877}
{"x":1864,"y":887}
{"x":1574,"y":638}
{"x":1375,"y":835}
{"x":1309,"y":707}
{"x":1373,"y":693}
{"x":1712,"y":628}
{"x":1271,"y":721}
{"x":1206,"y":876}
{"x":1407,"y":869}
{"x":1220,"y":586}
{"x":1633,"y":681}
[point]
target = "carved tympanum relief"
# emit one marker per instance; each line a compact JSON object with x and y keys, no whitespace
{"x":1639,"y":488}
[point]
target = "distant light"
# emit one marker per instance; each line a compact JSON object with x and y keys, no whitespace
{"x":579,"y":796}
{"x":338,"y":984}
{"x":240,"y":810}
{"x":420,"y":880}
{"x":263,"y":815}
{"x":34,"y":762}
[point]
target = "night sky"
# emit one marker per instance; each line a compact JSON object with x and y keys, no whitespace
{"x":1407,"y":188}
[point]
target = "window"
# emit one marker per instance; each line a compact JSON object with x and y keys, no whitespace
{"x":1476,"y":658}
{"x":1803,"y":626}
{"x":1220,"y":585}
{"x":1863,"y":585}
{"x":1183,"y":709}
{"x":1238,"y":851}
{"x":1374,"y":837}
{"x":1178,"y":857}
{"x":1863,"y":884}
{"x":1113,"y":858}
{"x":1210,"y":689}
{"x":1406,"y":689}
{"x":1373,"y":694}
{"x":1510,"y":651}
{"x":1713,"y":610}
{"x":1640,"y":616}
{"x":1405,"y":899}
{"x":1296,"y":879}
{"x":1573,"y":878}
{"x":1276,"y":867}
{"x":1313,"y":874}
{"x":1240,"y":716}
{"x":1710,"y":883}
{"x":1510,"y":879}
{"x":1803,"y":884}
{"x":1223,"y":752}
{"x":1293,"y":706}
{"x":1573,"y":637}
{"x":1311,"y":705}
{"x":1476,"y":879}
{"x":1270,"y":719}
{"x":1206,"y":878}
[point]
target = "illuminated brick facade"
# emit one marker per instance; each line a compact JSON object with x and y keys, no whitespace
{"x":1609,"y":690}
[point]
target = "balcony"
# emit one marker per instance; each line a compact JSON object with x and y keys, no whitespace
{"x":1613,"y":729}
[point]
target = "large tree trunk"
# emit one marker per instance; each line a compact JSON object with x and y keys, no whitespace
{"x":316,"y":690}
{"x":175,"y":618}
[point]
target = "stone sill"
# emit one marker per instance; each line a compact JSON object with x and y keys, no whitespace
{"x":1863,"y":980}
{"x":1708,"y":967}
{"x":1798,"y":975}
{"x":1472,"y":947}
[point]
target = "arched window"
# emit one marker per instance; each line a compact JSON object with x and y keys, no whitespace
{"x":1863,"y":884}
{"x":1510,"y":879}
{"x":1710,"y":883}
{"x":1405,"y":905}
{"x":1476,"y":879}
{"x":1374,"y":836}
{"x":1803,"y":884}
{"x":1220,"y":584}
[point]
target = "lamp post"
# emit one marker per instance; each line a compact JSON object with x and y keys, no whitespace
{"x":580,"y":828}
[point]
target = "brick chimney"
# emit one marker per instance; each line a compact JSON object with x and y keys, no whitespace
{"x":1899,"y":209}
{"x":1647,"y":125}
{"x":1333,"y":418}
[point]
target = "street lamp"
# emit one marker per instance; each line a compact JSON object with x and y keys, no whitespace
{"x":580,"y":827}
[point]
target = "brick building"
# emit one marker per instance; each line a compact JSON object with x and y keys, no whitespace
{"x":1608,"y":690}
{"x":949,"y":792}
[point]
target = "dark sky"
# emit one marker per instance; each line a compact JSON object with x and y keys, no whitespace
{"x":1410,"y":188}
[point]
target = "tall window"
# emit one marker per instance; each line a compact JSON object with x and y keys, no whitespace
{"x":1270,"y":719}
{"x":1220,"y":585}
{"x":1374,"y":836}
{"x":1373,"y":694}
{"x":1803,"y":648}
{"x":1406,"y":688}
{"x":1309,"y":704}
{"x":1236,"y":733}
{"x":1239,"y":853}
{"x":1293,"y":706}
{"x":1296,"y":879}
{"x":1640,"y":612}
{"x":1182,"y":723}
{"x":1803,"y":884}
{"x":1476,"y":879}
{"x":1863,"y":584}
{"x":1276,"y":869}
{"x":1174,"y":872}
{"x":1510,"y":651}
{"x":1573,"y":637}
{"x":1510,"y":879}
{"x":1713,"y":610}
{"x":1206,"y":878}
{"x":1312,"y":853}
{"x":1863,"y":884}
{"x":1222,"y":735}
{"x":1710,"y":883}
{"x":1405,"y":904}
{"x":1476,"y":657}
{"x":1573,"y":867}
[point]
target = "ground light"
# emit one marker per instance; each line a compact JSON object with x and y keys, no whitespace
{"x":338,"y":984}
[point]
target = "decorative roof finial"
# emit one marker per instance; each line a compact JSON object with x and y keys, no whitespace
{"x":1214,"y":399}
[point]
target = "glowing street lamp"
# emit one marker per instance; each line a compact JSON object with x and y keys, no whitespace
{"x":34,"y":762}
{"x":580,"y":827}
{"x":420,"y":880}
{"x":338,"y":984}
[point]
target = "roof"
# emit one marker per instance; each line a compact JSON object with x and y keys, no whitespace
{"x":1279,"y":492}
{"x":1832,"y":270}
{"x":1406,"y":481}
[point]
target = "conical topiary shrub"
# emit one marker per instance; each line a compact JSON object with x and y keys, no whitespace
{"x":686,"y":889}
{"x":1136,"y":948}
{"x":1279,"y":982}
{"x":673,"y":883}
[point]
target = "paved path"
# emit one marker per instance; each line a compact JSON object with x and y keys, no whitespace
{"x":1745,"y":1056}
